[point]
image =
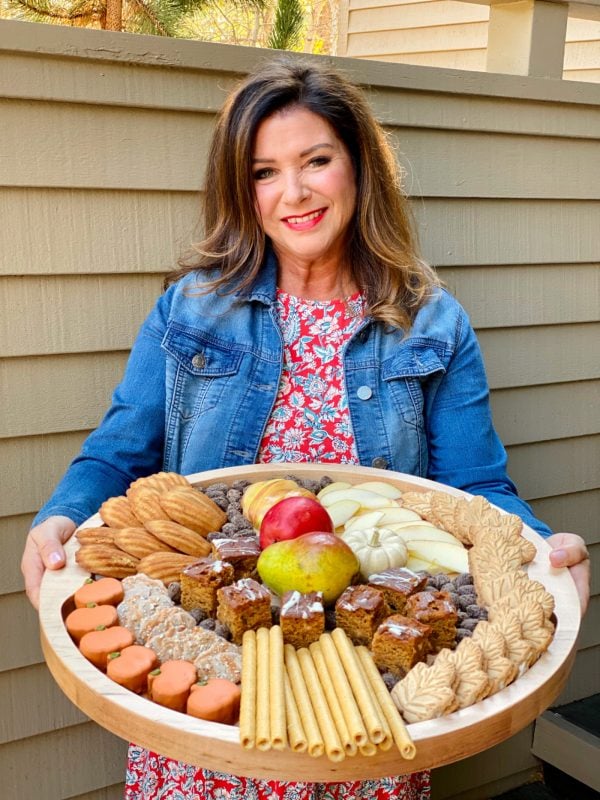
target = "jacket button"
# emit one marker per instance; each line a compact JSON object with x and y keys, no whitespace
{"x":364,"y":392}
{"x":198,"y":360}
{"x":379,"y":463}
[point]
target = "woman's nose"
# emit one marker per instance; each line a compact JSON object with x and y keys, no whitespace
{"x":294,"y":189}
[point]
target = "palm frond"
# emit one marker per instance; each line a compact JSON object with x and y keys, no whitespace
{"x":57,"y":12}
{"x":287,"y":26}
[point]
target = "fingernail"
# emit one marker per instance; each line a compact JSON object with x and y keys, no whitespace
{"x":55,"y":558}
{"x":559,"y":557}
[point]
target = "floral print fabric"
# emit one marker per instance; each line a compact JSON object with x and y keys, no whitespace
{"x":310,"y":419}
{"x":310,"y":422}
{"x":153,"y":777}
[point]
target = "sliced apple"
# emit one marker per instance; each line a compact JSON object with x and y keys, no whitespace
{"x":394,"y":514}
{"x":413,"y":523}
{"x":342,"y":511}
{"x":380,"y":487}
{"x":333,"y":487}
{"x":368,"y":520}
{"x":427,"y":533}
{"x":418,"y":565}
{"x":449,"y":557}
{"x":363,"y":496}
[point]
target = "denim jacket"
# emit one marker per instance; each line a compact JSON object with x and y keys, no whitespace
{"x":203,"y":376}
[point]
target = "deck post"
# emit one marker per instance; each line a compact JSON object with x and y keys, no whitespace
{"x":527,"y":37}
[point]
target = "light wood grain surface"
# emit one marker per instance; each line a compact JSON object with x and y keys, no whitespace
{"x":216,"y":746}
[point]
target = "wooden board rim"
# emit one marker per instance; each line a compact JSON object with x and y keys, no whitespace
{"x":215,"y":746}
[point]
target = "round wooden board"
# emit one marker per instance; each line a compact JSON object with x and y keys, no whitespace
{"x":215,"y":746}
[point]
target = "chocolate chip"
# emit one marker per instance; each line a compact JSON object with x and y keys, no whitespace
{"x":464,"y":579}
{"x":390,"y":680}
{"x":222,"y":630}
{"x":467,"y":600}
{"x":462,"y":633}
{"x":228,"y":529}
{"x":329,"y":619}
{"x":174,"y":591}
{"x":221,"y":501}
{"x":208,"y":624}
{"x":198,"y":614}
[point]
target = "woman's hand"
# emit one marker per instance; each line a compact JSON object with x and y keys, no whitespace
{"x":569,"y":550}
{"x":44,"y":550}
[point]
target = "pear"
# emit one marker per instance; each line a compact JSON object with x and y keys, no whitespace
{"x":314,"y":562}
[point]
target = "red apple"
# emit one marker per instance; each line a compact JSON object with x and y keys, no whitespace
{"x":292,"y":517}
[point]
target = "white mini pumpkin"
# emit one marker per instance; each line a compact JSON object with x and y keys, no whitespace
{"x":376,"y":549}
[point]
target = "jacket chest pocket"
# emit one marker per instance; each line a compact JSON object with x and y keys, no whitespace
{"x":198,"y":370}
{"x":407,"y":374}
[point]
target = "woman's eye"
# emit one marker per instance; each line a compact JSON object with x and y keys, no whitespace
{"x":319,"y":161}
{"x":262,"y":174}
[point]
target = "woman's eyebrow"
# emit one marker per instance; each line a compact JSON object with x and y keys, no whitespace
{"x":304,"y":153}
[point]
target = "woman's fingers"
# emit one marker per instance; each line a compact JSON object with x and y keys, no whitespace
{"x":569,"y":550}
{"x":44,"y":550}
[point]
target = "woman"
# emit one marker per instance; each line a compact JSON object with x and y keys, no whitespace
{"x":305,"y":328}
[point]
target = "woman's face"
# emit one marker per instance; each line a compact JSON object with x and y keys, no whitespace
{"x":305,"y":187}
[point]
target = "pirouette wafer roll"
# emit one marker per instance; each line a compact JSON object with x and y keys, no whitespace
{"x":350,"y":710}
{"x":277,"y":689}
{"x":332,"y":699}
{"x":316,"y":745}
{"x":295,"y":729}
{"x":368,"y":749}
{"x":334,"y":748}
{"x":248,"y":699}
{"x":401,"y":736}
{"x":368,"y":709}
{"x":388,"y":740}
{"x":263,"y":717}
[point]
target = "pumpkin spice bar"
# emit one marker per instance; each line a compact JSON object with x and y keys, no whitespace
{"x":302,"y":618}
{"x":242,"y":553}
{"x":437,"y":610}
{"x":397,"y":584}
{"x":400,"y":643}
{"x":200,"y":583}
{"x":244,"y":605}
{"x":359,"y":611}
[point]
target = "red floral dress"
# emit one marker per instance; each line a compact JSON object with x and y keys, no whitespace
{"x":309,"y":422}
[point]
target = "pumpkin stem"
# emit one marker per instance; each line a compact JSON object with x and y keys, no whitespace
{"x":374,"y":540}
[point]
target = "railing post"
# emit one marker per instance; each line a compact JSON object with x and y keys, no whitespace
{"x":527,"y":37}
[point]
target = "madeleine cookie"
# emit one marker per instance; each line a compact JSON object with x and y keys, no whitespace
{"x":118,"y":513}
{"x":106,"y":560}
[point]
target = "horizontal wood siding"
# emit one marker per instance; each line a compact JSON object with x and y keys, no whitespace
{"x":445,"y":33}
{"x":504,"y":178}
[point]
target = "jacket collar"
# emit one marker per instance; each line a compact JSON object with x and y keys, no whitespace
{"x":264,"y":286}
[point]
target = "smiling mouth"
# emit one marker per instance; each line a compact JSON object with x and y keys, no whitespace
{"x":305,"y":218}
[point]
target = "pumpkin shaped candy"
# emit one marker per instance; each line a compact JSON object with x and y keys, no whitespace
{"x":376,"y":549}
{"x":217,"y":700}
{"x":130,"y":667}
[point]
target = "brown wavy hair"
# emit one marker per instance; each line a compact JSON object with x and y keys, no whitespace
{"x":382,"y":246}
